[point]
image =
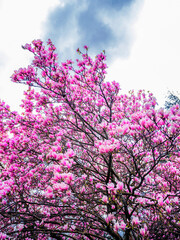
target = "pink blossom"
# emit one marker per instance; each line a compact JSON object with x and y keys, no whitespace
{"x":109,"y":218}
{"x":161,"y":202}
{"x":20,"y":227}
{"x":116,"y":227}
{"x":83,"y":189}
{"x":135,"y":221}
{"x":84,"y":176}
{"x":3,"y":236}
{"x":65,"y":227}
{"x":105,"y":199}
{"x":60,"y":186}
{"x":68,"y":144}
{"x":176,"y":200}
{"x":91,"y":179}
{"x":64,"y":200}
{"x":110,"y":186}
{"x":98,"y":185}
{"x":168,"y":209}
{"x":122,"y":225}
{"x":142,"y":231}
{"x":119,"y":186}
{"x":70,"y":153}
{"x":49,"y":189}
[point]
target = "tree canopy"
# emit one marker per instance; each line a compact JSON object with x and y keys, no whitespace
{"x":82,"y":160}
{"x":172,"y":99}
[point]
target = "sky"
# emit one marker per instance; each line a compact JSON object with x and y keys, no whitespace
{"x":141,"y":39}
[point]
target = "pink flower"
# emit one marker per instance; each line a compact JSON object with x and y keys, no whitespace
{"x":105,"y":199}
{"x":109,"y":217}
{"x":68,"y":144}
{"x":116,"y":227}
{"x":110,"y":186}
{"x":65,"y":227}
{"x":3,"y":236}
{"x":160,"y":202}
{"x":70,"y":153}
{"x":64,"y":200}
{"x":20,"y":227}
{"x":60,"y":186}
{"x":122,"y":225}
{"x":84,"y":176}
{"x":168,"y":209}
{"x":119,"y":186}
{"x":142,"y":231}
{"x":69,"y":177}
{"x":83,"y":189}
{"x":135,"y":221}
{"x":49,"y":189}
{"x":98,"y":185}
{"x":176,"y":200}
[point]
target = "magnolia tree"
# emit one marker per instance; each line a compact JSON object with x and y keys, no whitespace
{"x":83,"y":161}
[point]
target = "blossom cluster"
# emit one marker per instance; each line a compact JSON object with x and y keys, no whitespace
{"x":83,"y":160}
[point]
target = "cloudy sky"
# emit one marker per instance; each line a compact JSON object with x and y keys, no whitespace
{"x":141,"y":39}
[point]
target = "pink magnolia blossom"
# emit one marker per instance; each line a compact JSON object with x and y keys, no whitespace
{"x":119,"y":186}
{"x":142,"y":232}
{"x":116,"y":227}
{"x":168,"y":209}
{"x":105,"y":199}
{"x":161,"y":202}
{"x":109,"y":218}
{"x":111,"y":186}
{"x":122,"y":225}
{"x":135,"y":221}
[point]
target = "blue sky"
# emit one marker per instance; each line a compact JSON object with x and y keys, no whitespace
{"x":141,"y":39}
{"x":98,"y":24}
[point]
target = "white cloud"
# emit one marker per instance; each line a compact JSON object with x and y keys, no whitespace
{"x":154,"y":59}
